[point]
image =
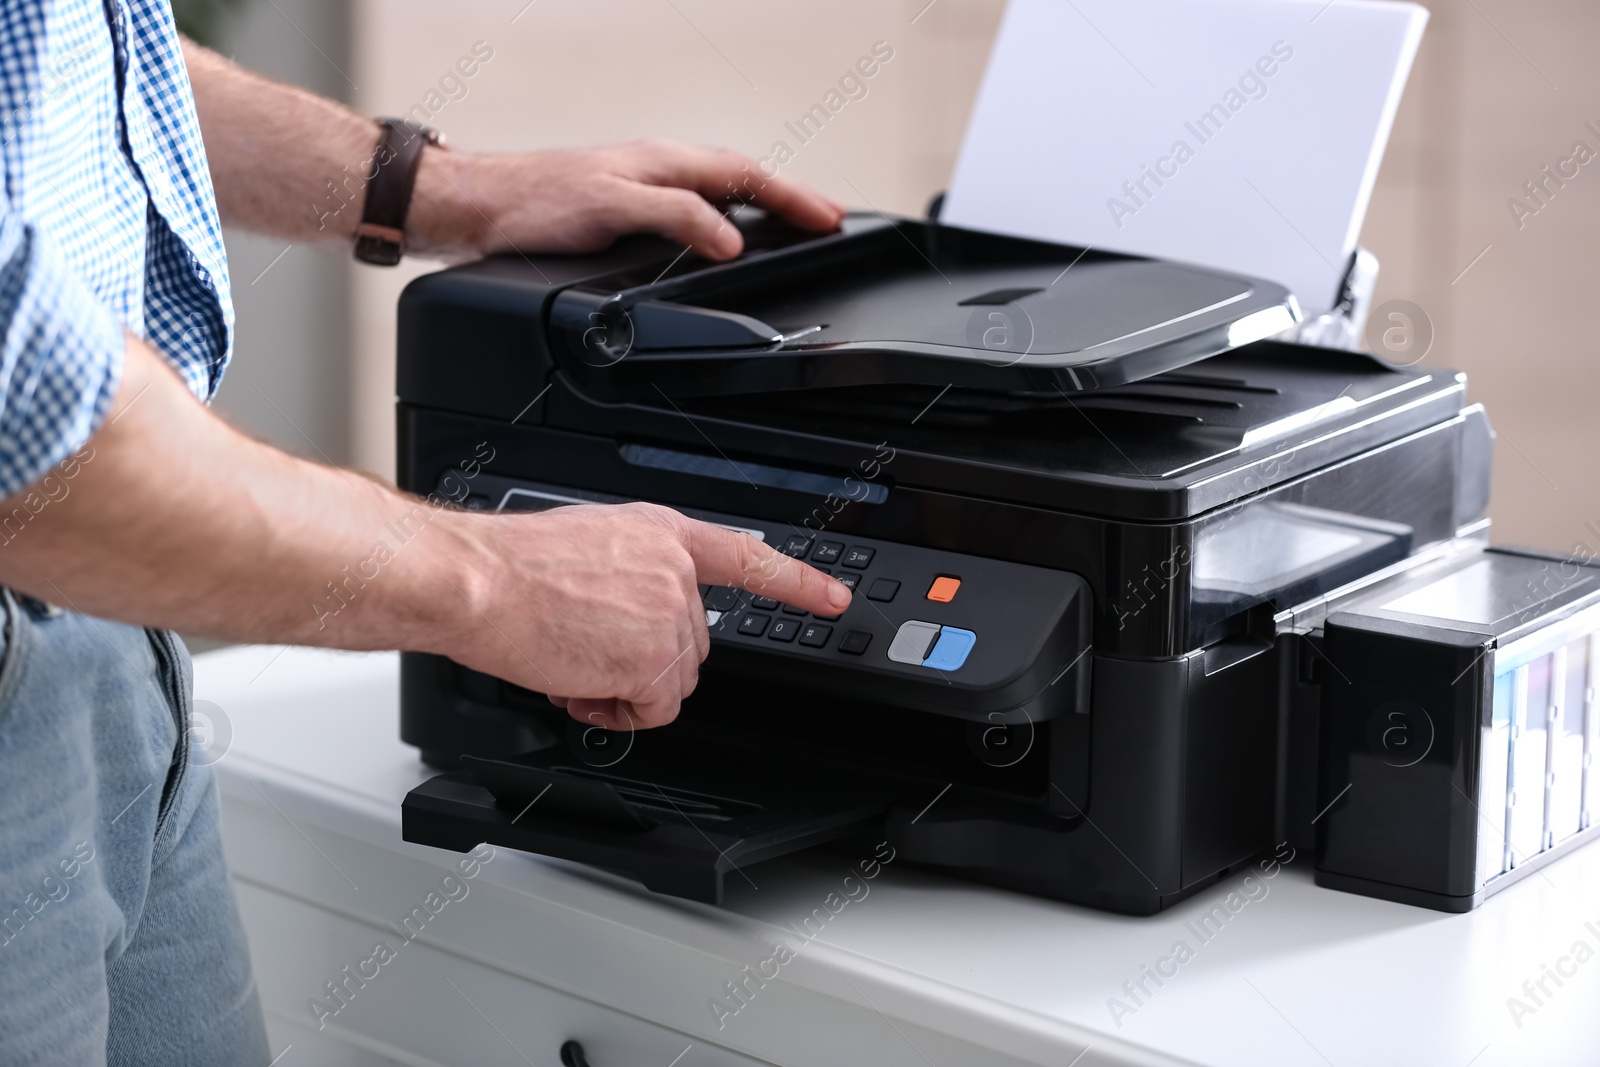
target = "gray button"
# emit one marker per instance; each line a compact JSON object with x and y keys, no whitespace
{"x":912,"y":641}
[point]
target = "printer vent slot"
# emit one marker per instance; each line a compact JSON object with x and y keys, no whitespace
{"x":1173,"y":395}
{"x":1213,"y":381}
{"x":1151,"y":408}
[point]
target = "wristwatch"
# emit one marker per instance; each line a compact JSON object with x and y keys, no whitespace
{"x":381,"y":237}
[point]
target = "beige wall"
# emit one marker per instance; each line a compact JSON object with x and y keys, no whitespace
{"x":1486,"y":110}
{"x":288,"y":380}
{"x":1480,"y":119}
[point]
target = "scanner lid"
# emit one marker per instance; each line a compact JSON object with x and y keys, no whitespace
{"x":895,"y":301}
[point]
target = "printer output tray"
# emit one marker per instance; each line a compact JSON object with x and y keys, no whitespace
{"x":681,"y":817}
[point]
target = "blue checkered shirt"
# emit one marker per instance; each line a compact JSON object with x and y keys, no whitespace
{"x":109,"y":222}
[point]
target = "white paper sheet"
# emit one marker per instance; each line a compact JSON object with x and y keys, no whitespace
{"x":1240,"y":134}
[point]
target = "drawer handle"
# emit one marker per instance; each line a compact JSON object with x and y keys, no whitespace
{"x":572,"y":1055}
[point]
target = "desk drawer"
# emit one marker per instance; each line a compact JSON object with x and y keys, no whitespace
{"x":427,"y":1007}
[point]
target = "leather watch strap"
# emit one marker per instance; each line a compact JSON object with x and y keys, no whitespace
{"x":380,"y":238}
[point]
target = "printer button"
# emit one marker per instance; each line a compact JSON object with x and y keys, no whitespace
{"x":828,"y":552}
{"x":944,"y":589}
{"x":815,"y":635}
{"x":753,"y":625}
{"x":912,"y":641}
{"x":855,"y":642}
{"x":787,"y":610}
{"x":784,"y":630}
{"x":797,"y":546}
{"x":859,"y":556}
{"x":951,"y":650}
{"x":722,"y":598}
{"x":883,"y":589}
{"x":764,"y":603}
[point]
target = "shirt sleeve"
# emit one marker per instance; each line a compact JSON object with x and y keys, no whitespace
{"x":61,"y":353}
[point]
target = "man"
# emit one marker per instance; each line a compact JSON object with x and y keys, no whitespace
{"x":127,"y":500}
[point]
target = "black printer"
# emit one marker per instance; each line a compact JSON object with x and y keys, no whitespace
{"x":1143,"y":590}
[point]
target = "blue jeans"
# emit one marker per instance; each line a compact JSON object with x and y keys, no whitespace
{"x":120,"y":942}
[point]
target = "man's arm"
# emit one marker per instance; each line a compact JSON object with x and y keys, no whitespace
{"x":172,"y":518}
{"x":281,"y":159}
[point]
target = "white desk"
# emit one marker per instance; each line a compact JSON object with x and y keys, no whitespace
{"x":923,"y":970}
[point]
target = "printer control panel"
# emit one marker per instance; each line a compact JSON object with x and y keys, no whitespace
{"x":930,"y":628}
{"x":878,"y":583}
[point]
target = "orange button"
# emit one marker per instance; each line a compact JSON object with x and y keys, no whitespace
{"x":944,"y":589}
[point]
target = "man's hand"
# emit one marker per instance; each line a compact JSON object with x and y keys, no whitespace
{"x":581,"y":200}
{"x":172,"y":518}
{"x":598,"y":608}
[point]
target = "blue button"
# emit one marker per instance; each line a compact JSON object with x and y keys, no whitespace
{"x":950,"y":651}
